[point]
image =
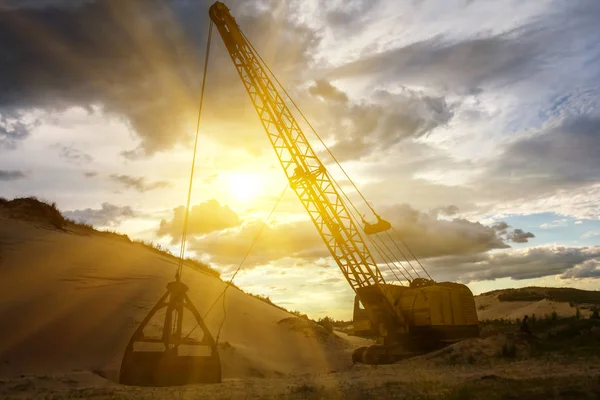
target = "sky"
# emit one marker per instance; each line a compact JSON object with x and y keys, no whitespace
{"x":472,"y":126}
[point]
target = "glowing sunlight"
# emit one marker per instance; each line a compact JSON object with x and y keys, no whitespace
{"x":244,"y":187}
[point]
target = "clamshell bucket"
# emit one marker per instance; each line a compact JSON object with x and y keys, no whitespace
{"x":380,"y":226}
{"x":170,"y":359}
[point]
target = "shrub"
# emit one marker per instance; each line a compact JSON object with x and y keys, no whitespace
{"x":509,"y":350}
{"x":326,"y":323}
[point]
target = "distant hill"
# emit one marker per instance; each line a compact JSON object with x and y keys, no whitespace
{"x":535,"y":293}
{"x":541,"y":301}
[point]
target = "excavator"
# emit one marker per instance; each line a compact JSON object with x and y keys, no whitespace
{"x":405,"y":319}
{"x":408,"y":317}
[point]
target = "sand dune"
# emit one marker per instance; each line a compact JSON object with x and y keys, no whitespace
{"x":70,"y":300}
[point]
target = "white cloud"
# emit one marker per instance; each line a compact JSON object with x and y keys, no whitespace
{"x":558,"y":223}
{"x":590,"y":234}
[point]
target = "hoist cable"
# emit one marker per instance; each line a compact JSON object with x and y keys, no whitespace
{"x":390,"y":250}
{"x":406,"y":258}
{"x":189,"y":196}
{"x":414,"y":256}
{"x":228,"y":283}
{"x":327,"y":148}
{"x":377,"y":248}
{"x":310,"y":125}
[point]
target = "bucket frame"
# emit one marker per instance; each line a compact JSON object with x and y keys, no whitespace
{"x":168,"y":367}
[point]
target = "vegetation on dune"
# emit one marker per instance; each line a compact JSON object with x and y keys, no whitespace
{"x":33,"y":209}
{"x":566,"y":295}
{"x":47,"y":213}
{"x":552,"y":333}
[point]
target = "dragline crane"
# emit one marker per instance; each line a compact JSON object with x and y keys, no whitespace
{"x":411,"y":318}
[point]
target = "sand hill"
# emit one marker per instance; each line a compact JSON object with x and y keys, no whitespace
{"x":70,"y":298}
{"x":516,"y":303}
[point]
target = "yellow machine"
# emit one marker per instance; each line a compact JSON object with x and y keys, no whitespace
{"x":406,"y":319}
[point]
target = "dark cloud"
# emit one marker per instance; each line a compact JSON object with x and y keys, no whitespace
{"x":141,"y":60}
{"x":138,"y":183}
{"x":519,"y":236}
{"x":11,"y":175}
{"x":326,"y":91}
{"x":90,"y":174}
{"x":12,"y":128}
{"x":428,"y":236}
{"x":41,"y":4}
{"x":562,"y":156}
{"x":380,"y":123}
{"x":446,"y":211}
{"x":462,"y":66}
{"x":107,"y":215}
{"x":469,"y":65}
{"x":204,"y":218}
{"x":500,"y":226}
{"x":532,"y":263}
{"x":348,"y":15}
{"x":73,"y":155}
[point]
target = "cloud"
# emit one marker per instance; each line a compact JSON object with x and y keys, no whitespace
{"x":90,"y":174}
{"x":590,"y":234}
{"x":327,"y":91}
{"x":535,"y":262}
{"x":204,"y":218}
{"x":210,"y":179}
{"x":11,"y":175}
{"x":456,"y":66}
{"x":588,"y":269}
{"x":349,"y":15}
{"x":428,"y":236}
{"x":519,"y":236}
{"x":378,"y":124}
{"x":473,"y":60}
{"x":140,"y":61}
{"x":138,"y":183}
{"x":563,"y":155}
{"x":73,"y":155}
{"x":500,"y":227}
{"x":108,"y":215}
{"x":447,"y":211}
{"x":555,"y":224}
{"x":295,"y":243}
{"x":13,"y":127}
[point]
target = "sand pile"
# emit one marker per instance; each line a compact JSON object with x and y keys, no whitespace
{"x":70,"y":301}
{"x":484,"y":351}
{"x":313,"y":331}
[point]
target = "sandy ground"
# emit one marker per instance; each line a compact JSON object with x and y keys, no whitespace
{"x":411,"y":379}
{"x":71,"y":302}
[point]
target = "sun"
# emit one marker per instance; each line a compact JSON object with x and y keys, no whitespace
{"x":244,"y":186}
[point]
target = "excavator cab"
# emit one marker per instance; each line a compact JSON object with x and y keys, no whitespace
{"x":168,"y":359}
{"x":380,"y":226}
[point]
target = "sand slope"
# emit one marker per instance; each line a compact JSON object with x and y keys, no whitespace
{"x":70,"y":301}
